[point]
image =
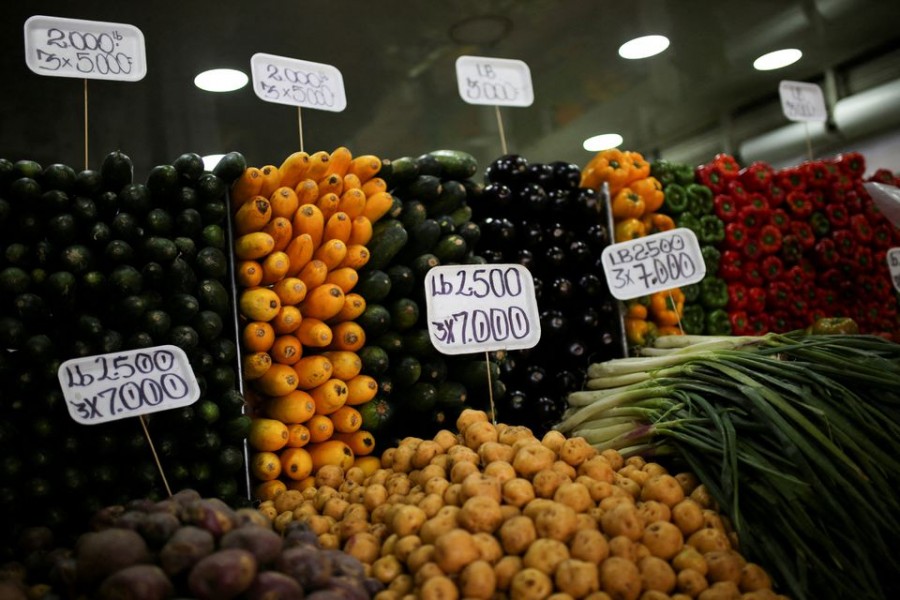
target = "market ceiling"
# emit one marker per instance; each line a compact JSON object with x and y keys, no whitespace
{"x":397,"y":61}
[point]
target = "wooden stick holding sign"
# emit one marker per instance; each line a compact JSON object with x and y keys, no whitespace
{"x":474,"y":308}
{"x":299,"y":83}
{"x":59,"y":47}
{"x":494,"y":82}
{"x":132,"y":383}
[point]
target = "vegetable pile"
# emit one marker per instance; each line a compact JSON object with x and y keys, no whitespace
{"x":538,"y":215}
{"x":431,"y":224}
{"x":183,"y":546}
{"x":302,"y":230}
{"x":794,"y":435}
{"x":493,"y":511}
{"x":95,"y":262}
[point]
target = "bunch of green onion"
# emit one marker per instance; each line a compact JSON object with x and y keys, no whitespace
{"x":797,"y":437}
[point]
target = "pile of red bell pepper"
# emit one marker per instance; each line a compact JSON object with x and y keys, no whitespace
{"x":802,"y":243}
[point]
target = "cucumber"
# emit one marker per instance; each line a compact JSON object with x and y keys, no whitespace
{"x":406,"y":371}
{"x":385,"y":244}
{"x":375,"y":320}
{"x":402,"y":280}
{"x":423,"y":263}
{"x":373,"y":285}
{"x":434,"y":370}
{"x":213,"y":296}
{"x":425,"y":188}
{"x":421,"y":396}
{"x":116,"y":170}
{"x":391,"y":341}
{"x":429,"y":165}
{"x":159,"y":222}
{"x":403,"y":170}
{"x":376,"y":414}
{"x":450,"y":249}
{"x":451,"y":393}
{"x":404,"y":314}
{"x":414,"y":212}
{"x":418,"y":343}
{"x":422,"y":238}
{"x":88,"y":182}
{"x":461,"y":215}
{"x":230,"y":167}
{"x":211,"y":188}
{"x":446,"y":223}
{"x":453,"y":195}
{"x":469,"y":231}
{"x":189,"y":166}
{"x":473,"y":373}
{"x":455,"y":164}
{"x":135,"y":198}
{"x":163,"y":183}
{"x":58,"y":177}
{"x":159,"y":249}
{"x":374,"y":359}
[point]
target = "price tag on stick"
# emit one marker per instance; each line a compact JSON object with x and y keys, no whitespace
{"x":60,"y":47}
{"x":474,"y":308}
{"x":109,"y":387}
{"x":654,"y":263}
{"x":297,"y":82}
{"x":802,"y":101}
{"x":893,"y":261}
{"x":494,"y":81}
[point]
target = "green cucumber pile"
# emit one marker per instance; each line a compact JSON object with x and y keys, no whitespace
{"x":430,"y":224}
{"x":94,"y":262}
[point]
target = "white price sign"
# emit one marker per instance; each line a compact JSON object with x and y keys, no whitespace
{"x":654,"y":263}
{"x":802,"y":101}
{"x":60,"y":47}
{"x":475,"y":308}
{"x":108,"y":387}
{"x":297,"y":82}
{"x":494,"y":81}
{"x":893,"y":261}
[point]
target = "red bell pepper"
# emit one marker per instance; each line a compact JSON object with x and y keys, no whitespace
{"x":791,"y":250}
{"x":758,"y":176}
{"x":753,"y":275}
{"x":769,"y":239}
{"x":781,"y":220}
{"x":852,"y":163}
{"x":752,"y":218}
{"x":740,"y":323}
{"x":778,"y":294}
{"x":725,"y":207}
{"x":752,"y":249}
{"x":865,"y":259}
{"x":845,"y":241}
{"x":737,"y":296}
{"x":830,"y":278}
{"x":819,"y":223}
{"x":758,"y":201}
{"x":826,"y":252}
{"x":817,"y":175}
{"x":792,"y":179}
{"x":861,"y":228}
{"x":817,"y":198}
{"x":756,"y":300}
{"x":804,"y":233}
{"x":837,"y":215}
{"x":731,"y":267}
{"x":796,"y":277}
{"x":798,"y":306}
{"x":737,"y":190}
{"x":712,"y":177}
{"x":799,"y":205}
{"x":883,"y":176}
{"x":837,"y":195}
{"x":872,"y":212}
{"x":853,"y":202}
{"x":777,"y":196}
{"x":727,"y":165}
{"x":779,"y":322}
{"x":883,"y":236}
{"x":759,"y":324}
{"x":772,"y":267}
{"x":736,"y":235}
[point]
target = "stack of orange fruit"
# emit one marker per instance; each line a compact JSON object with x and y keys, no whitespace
{"x":301,"y":232}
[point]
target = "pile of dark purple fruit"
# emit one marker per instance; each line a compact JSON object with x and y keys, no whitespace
{"x":537,"y":215}
{"x":183,"y":546}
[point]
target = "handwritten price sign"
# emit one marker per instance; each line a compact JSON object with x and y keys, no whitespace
{"x":108,"y":387}
{"x":801,"y":101}
{"x":893,"y":261}
{"x":657,"y":262}
{"x":297,"y":82}
{"x":494,"y":81}
{"x":60,"y":47}
{"x":481,"y":308}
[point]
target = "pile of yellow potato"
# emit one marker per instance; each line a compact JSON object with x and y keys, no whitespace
{"x":494,"y":512}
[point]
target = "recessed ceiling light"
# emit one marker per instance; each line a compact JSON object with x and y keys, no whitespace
{"x":221,"y":80}
{"x":644,"y":47}
{"x":602,"y":142}
{"x":211,"y":160}
{"x":777,"y":59}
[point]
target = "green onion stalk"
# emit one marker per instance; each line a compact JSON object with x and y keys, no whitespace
{"x":796,"y":437}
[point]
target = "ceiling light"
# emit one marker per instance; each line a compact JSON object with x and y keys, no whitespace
{"x":221,"y":80}
{"x":211,"y":160}
{"x":644,"y":47}
{"x":602,"y":142}
{"x":777,"y":59}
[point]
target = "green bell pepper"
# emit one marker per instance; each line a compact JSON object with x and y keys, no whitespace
{"x":676,"y":199}
{"x":712,"y":257}
{"x":718,"y":322}
{"x":713,"y":292}
{"x":688,"y":221}
{"x":691,"y":293}
{"x":712,"y":230}
{"x":663,"y":171}
{"x":693,"y":319}
{"x":700,"y":199}
{"x":684,"y":173}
